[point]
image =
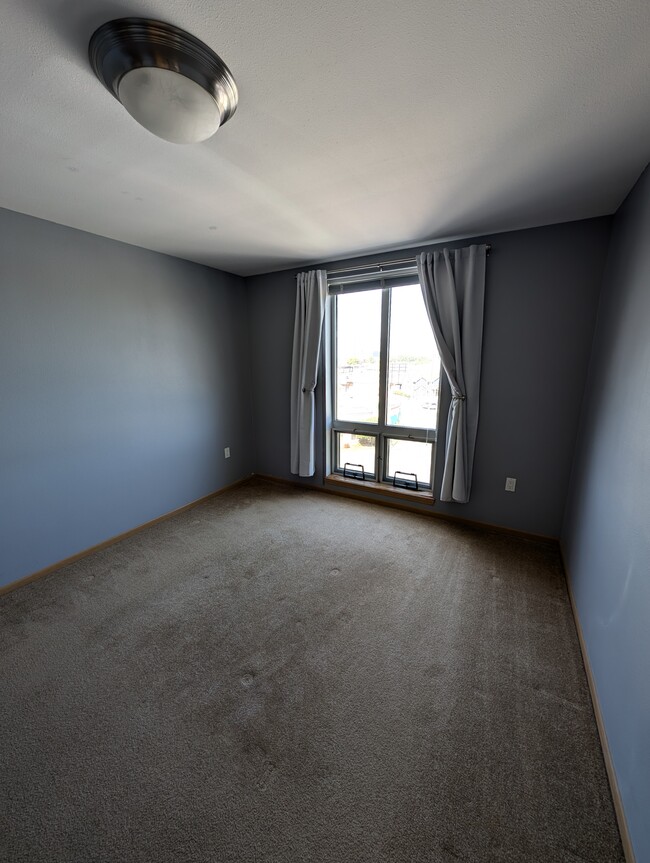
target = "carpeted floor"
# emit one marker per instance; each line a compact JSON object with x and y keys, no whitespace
{"x":281,"y":675}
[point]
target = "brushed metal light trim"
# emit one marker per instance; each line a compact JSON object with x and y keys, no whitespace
{"x":124,"y":44}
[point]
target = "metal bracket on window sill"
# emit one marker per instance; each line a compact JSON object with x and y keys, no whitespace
{"x":406,"y":483}
{"x":354,"y":474}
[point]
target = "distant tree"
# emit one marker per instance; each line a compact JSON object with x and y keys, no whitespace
{"x":404,"y":358}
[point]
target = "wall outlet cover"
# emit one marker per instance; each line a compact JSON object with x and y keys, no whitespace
{"x":511,"y":483}
{"x":226,"y":452}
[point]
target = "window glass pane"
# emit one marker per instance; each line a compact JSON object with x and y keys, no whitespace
{"x":410,"y":456}
{"x":413,"y":362}
{"x":358,"y":336}
{"x":356,"y":449}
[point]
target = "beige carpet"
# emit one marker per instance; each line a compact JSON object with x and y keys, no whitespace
{"x":282,"y":675}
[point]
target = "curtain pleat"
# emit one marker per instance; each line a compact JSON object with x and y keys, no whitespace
{"x":453,"y":287}
{"x":311,"y":296}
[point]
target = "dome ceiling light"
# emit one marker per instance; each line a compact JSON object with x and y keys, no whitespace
{"x":167,"y":79}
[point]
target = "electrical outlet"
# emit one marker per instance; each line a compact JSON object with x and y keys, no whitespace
{"x":511,"y":483}
{"x":226,"y":452}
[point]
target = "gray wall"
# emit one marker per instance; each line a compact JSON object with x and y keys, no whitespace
{"x":542,"y":295}
{"x":123,"y":374}
{"x":606,"y":534}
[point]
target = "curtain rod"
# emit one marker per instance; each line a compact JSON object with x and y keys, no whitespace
{"x":488,"y":249}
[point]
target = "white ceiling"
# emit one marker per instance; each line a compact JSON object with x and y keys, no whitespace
{"x":362,"y":124}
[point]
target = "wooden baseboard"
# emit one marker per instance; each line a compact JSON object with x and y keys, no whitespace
{"x":609,"y":764}
{"x":48,"y":570}
{"x":340,"y":491}
{"x":345,"y":491}
{"x":626,"y":840}
{"x":395,"y":504}
{"x":423,"y":497}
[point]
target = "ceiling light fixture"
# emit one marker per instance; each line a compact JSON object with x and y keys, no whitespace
{"x":167,"y":79}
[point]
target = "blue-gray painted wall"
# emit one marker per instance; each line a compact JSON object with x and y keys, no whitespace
{"x":542,"y":294}
{"x":606,"y":533}
{"x":123,"y":374}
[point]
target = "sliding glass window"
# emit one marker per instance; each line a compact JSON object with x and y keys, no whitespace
{"x":385,"y":381}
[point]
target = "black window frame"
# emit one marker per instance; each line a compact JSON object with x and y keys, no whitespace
{"x":382,"y":431}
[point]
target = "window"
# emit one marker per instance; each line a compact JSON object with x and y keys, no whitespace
{"x":384,"y":380}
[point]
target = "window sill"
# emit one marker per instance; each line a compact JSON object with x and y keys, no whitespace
{"x":386,"y":490}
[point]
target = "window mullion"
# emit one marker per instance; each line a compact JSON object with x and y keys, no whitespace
{"x":383,"y":381}
{"x":333,"y":355}
{"x":333,"y":376}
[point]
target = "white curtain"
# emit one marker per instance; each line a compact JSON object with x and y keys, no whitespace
{"x":453,"y":287}
{"x":311,"y":296}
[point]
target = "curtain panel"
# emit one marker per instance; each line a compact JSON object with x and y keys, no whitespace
{"x":453,"y":287}
{"x":311,"y":296}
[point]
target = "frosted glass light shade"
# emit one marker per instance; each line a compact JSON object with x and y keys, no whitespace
{"x":169,"y":105}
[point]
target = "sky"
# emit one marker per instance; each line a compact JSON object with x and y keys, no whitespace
{"x":359,"y":323}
